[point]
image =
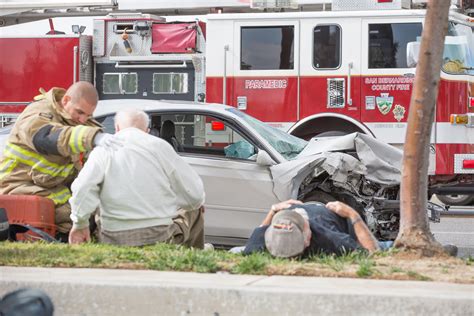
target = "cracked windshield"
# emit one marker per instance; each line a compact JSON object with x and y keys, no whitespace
{"x":458,"y":55}
{"x":287,"y":145}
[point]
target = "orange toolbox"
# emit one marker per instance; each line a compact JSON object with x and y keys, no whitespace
{"x":33,"y":210}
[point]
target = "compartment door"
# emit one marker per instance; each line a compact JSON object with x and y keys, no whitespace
{"x":266,"y":69}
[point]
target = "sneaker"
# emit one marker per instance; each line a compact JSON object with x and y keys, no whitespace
{"x":451,"y":250}
{"x":208,"y":246}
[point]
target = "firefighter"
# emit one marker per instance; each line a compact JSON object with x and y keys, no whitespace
{"x":46,"y":146}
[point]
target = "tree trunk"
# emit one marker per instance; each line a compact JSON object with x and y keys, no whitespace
{"x":414,"y":231}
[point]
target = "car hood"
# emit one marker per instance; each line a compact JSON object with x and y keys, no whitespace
{"x":343,"y":158}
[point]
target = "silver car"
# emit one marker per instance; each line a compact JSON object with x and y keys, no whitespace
{"x":246,"y":166}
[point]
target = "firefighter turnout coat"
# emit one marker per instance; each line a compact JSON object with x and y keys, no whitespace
{"x":43,"y":153}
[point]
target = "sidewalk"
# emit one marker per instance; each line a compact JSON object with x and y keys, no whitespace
{"x":132,"y":292}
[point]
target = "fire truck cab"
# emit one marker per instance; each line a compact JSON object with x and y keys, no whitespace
{"x":343,"y":71}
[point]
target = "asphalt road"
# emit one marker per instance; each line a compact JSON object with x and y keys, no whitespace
{"x":458,"y":231}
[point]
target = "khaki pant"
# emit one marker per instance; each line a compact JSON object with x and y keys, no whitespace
{"x":187,"y":229}
{"x":63,"y":218}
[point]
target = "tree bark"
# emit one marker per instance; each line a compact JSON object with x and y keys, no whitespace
{"x":414,"y":227}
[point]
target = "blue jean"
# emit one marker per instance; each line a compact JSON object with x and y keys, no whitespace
{"x":385,"y":245}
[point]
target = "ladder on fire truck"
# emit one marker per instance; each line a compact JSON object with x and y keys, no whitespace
{"x":21,"y":11}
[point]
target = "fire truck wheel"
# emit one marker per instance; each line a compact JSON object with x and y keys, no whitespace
{"x":456,"y":199}
{"x":331,"y":134}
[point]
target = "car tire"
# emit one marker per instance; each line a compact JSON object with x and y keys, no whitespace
{"x":323,"y":197}
{"x":456,"y":199}
{"x":319,"y":196}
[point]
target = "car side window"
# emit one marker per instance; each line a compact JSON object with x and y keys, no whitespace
{"x":203,"y":135}
{"x":108,"y":123}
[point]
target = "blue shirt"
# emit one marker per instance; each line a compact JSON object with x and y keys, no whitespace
{"x":331,"y":234}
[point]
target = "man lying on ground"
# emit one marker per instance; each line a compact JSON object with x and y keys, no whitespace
{"x":292,"y":228}
{"x":147,"y":193}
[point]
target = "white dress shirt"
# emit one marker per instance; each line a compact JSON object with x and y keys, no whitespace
{"x":142,"y":184}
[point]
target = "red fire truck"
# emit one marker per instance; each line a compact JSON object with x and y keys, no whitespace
{"x":320,"y":68}
{"x":129,"y":56}
{"x":348,"y":70}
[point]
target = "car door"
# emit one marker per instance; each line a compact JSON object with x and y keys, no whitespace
{"x":239,"y":191}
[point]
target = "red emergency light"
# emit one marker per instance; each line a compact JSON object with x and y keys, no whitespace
{"x":471,"y":102}
{"x":384,"y":1}
{"x":217,"y":126}
{"x":468,"y":164}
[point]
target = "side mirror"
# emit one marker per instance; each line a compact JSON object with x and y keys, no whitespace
{"x":413,"y":52}
{"x":264,"y":159}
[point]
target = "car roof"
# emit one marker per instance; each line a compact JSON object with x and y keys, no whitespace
{"x":105,"y":107}
{"x":113,"y":105}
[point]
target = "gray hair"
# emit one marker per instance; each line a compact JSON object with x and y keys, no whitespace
{"x":132,"y":118}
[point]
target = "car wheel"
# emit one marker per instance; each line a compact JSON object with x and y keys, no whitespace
{"x":319,"y":196}
{"x":323,"y":197}
{"x":456,"y":199}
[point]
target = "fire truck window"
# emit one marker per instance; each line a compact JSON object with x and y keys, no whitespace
{"x":111,"y":83}
{"x":170,"y":83}
{"x":267,"y":48}
{"x":458,"y":50}
{"x":388,"y":43}
{"x":327,"y":46}
{"x":120,"y":83}
{"x":129,"y":83}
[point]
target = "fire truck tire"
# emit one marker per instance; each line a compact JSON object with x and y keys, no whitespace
{"x":456,"y":199}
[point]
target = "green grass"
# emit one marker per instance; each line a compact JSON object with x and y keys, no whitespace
{"x":159,"y":257}
{"x":470,"y":261}
{"x":366,"y":268}
{"x":339,"y":263}
{"x":417,"y":276}
{"x":165,"y":257}
{"x":396,"y":270}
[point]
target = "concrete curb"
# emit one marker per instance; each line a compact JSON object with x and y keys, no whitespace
{"x":459,"y":213}
{"x":131,"y":292}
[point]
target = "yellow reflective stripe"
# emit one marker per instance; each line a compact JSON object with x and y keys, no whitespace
{"x":60,"y":197}
{"x":36,"y":161}
{"x":80,"y":142}
{"x":76,"y":142}
{"x":6,"y":167}
{"x":72,"y":140}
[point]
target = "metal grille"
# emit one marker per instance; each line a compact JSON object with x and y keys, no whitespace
{"x":7,"y":119}
{"x":271,"y":4}
{"x":358,"y":5}
{"x":336,"y":89}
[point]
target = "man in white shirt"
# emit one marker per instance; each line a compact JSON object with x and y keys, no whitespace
{"x":146,"y":192}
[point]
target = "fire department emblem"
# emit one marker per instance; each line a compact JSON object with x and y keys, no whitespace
{"x":399,"y":112}
{"x":384,"y":103}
